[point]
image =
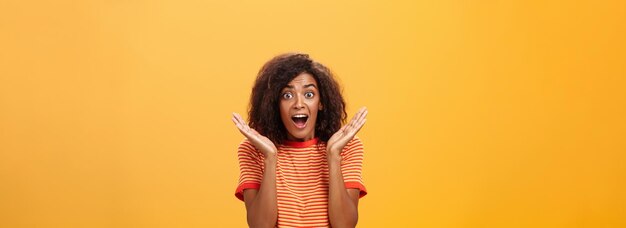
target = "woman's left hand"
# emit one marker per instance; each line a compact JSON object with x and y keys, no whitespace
{"x":340,"y":139}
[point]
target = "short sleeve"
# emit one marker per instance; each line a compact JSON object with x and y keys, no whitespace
{"x":352,"y":166}
{"x":250,"y":168}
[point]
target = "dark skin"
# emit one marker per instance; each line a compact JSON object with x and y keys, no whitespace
{"x":301,"y":96}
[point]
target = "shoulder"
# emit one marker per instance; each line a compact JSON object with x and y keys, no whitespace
{"x":246,"y":144}
{"x":246,"y":148}
{"x":356,"y":141}
{"x":354,"y":146}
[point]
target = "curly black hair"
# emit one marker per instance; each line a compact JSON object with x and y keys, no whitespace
{"x":264,"y":110}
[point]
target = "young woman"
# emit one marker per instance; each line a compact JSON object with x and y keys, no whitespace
{"x":299,"y":166}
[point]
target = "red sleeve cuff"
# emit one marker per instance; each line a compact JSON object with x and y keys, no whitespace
{"x":246,"y":185}
{"x":357,"y":185}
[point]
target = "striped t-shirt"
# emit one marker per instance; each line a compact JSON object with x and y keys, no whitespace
{"x":301,"y":178}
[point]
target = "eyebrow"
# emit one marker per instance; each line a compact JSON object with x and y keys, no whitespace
{"x":305,"y":86}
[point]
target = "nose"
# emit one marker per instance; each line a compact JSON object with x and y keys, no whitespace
{"x":299,"y":102}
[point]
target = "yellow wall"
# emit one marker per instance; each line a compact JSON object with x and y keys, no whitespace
{"x":482,"y":113}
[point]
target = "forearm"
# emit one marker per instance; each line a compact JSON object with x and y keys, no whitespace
{"x":342,"y":210}
{"x":263,"y":210}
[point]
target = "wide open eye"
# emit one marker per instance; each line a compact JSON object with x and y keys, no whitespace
{"x":287,"y":96}
{"x":308,"y":94}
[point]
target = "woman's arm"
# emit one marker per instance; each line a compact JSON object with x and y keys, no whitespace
{"x":261,"y":205}
{"x":261,"y":208}
{"x":342,"y":203}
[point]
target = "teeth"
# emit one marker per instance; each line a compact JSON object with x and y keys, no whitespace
{"x":300,"y":116}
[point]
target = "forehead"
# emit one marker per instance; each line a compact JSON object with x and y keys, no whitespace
{"x":302,"y":80}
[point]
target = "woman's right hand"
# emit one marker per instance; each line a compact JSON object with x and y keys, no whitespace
{"x":261,"y":142}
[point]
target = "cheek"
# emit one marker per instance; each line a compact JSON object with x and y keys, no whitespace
{"x":315,"y":107}
{"x":314,"y":103}
{"x":283,"y":106}
{"x":281,"y":110}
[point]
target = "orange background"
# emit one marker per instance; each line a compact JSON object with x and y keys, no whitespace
{"x":481,"y":113}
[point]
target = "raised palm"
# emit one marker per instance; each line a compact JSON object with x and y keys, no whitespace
{"x":259,"y":141}
{"x":340,"y":139}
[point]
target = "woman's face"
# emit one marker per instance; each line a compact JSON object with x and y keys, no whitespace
{"x":299,"y":103}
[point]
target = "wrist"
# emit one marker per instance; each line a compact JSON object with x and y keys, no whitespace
{"x":333,"y":155}
{"x":271,"y":157}
{"x":330,"y":151}
{"x":269,"y":153}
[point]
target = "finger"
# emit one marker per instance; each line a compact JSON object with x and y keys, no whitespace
{"x":240,"y":128}
{"x":247,"y":127}
{"x":356,"y":128}
{"x":254,"y":131}
{"x":362,"y":109}
{"x":342,"y":130}
{"x":244,"y":125}
{"x":238,"y":118}
{"x":241,"y":125}
{"x":340,"y":133}
{"x":351,"y":123}
{"x":237,"y":121}
{"x":250,"y":130}
{"x":354,"y":117}
{"x":359,"y":123}
{"x":352,"y":126}
{"x":359,"y":127}
{"x":357,"y":117}
{"x":362,"y":113}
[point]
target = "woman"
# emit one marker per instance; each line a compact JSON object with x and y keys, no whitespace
{"x":299,"y":166}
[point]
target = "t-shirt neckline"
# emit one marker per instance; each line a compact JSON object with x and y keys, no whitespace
{"x":301,"y":144}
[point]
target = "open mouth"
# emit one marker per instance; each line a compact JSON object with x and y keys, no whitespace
{"x":300,"y":120}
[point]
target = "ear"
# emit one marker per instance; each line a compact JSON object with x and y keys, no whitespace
{"x":320,"y":107}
